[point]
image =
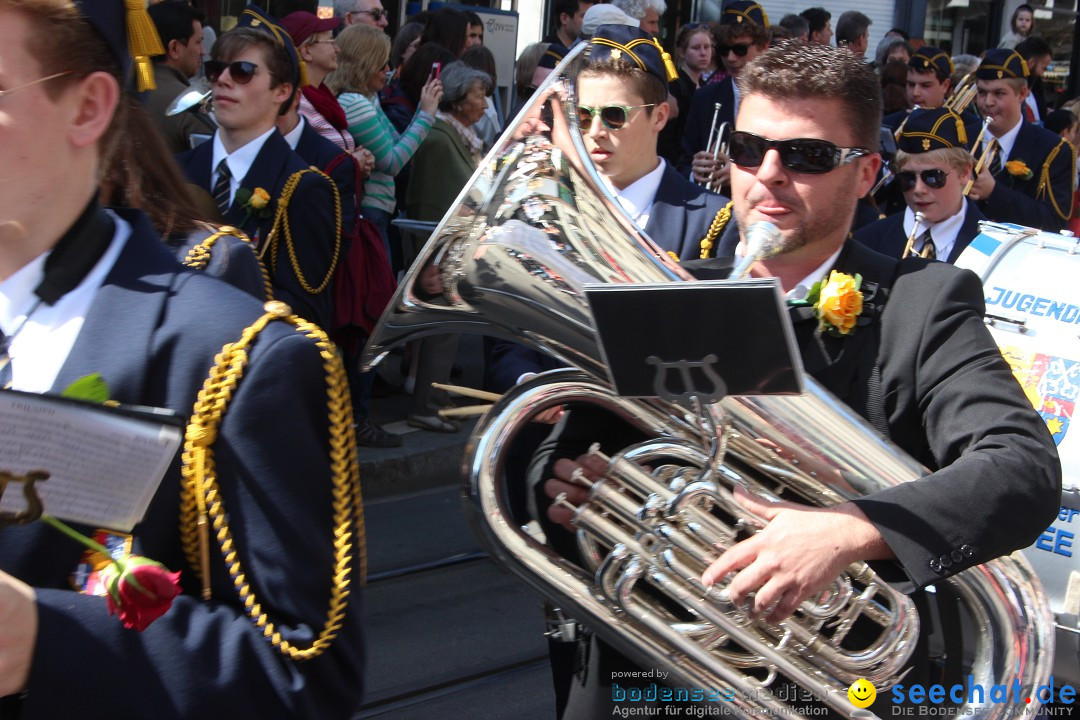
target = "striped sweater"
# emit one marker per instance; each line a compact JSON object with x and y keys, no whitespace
{"x":371,"y":129}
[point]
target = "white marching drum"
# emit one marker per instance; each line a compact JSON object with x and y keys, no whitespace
{"x":1032,"y":285}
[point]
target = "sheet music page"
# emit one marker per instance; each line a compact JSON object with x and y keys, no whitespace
{"x":104,"y":467}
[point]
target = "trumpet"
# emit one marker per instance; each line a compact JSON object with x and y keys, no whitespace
{"x":909,"y":248}
{"x":988,"y":155}
{"x":718,"y":142}
{"x":962,"y":95}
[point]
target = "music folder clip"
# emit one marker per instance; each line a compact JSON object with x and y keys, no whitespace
{"x":696,"y":339}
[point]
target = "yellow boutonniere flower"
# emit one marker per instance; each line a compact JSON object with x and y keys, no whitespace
{"x":1018,"y":168}
{"x":839,"y":303}
{"x":259,"y":198}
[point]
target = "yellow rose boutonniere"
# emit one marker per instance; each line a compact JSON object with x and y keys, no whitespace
{"x":256,"y":203}
{"x":1019,"y":169}
{"x":838,"y":302}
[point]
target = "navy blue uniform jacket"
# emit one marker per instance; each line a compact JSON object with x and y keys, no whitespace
{"x":311,"y":218}
{"x":681,"y":214}
{"x":152,"y":332}
{"x":887,"y":235}
{"x":1045,"y":200}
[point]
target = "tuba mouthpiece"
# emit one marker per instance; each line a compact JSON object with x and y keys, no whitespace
{"x":763,"y":240}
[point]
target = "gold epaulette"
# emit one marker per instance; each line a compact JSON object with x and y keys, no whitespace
{"x":281,"y":220}
{"x":202,"y":504}
{"x":1044,"y":179}
{"x":198,"y":257}
{"x":723,"y":217}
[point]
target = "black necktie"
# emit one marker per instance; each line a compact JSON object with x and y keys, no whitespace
{"x":223,"y":186}
{"x":995,"y":161}
{"x":5,"y":363}
{"x":927,"y":248}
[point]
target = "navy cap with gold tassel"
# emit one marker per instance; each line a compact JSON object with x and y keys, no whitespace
{"x":935,"y":129}
{"x":1002,"y":64}
{"x":130,"y":34}
{"x":635,"y":46}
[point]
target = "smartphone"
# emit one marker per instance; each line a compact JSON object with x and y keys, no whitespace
{"x":436,"y":68}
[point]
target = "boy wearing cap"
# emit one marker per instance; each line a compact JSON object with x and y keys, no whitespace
{"x":622,"y":107}
{"x":85,"y":290}
{"x":1030,"y":180}
{"x":933,"y":165}
{"x":254,"y":74}
{"x":743,"y":34}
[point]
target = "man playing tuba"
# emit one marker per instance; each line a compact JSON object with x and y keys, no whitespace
{"x":907,"y":350}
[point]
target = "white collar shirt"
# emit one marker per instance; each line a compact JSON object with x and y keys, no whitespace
{"x":239,"y":162}
{"x":1006,"y":141}
{"x":802,"y":288}
{"x":637,"y":197}
{"x":943,"y":233}
{"x":44,"y":334}
{"x":293,"y":137}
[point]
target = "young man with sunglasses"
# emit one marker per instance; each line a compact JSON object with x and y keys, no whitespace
{"x":254,"y":76}
{"x":742,"y":35}
{"x":91,"y":290}
{"x":933,"y":165}
{"x":918,"y":364}
{"x":1030,"y":180}
{"x":622,"y":107}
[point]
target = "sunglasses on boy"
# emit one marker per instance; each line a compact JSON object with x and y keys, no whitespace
{"x":934,"y":179}
{"x":739,"y":50}
{"x":613,"y":117}
{"x":241,"y":71}
{"x":802,"y":155}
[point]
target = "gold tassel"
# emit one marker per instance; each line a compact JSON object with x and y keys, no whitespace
{"x":143,"y":42}
{"x":669,"y":64}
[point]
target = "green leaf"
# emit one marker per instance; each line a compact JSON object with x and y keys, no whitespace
{"x":91,"y":388}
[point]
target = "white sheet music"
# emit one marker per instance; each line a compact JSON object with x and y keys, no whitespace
{"x":104,"y":467}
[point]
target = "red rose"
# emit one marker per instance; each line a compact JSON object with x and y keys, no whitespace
{"x":141,"y":592}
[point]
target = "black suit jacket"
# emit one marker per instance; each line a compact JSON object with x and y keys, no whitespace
{"x":922,"y":367}
{"x":699,"y":122}
{"x":887,"y":236}
{"x":319,"y":152}
{"x":1045,"y":200}
{"x":311,"y":220}
{"x":681,"y":214}
{"x":152,"y":331}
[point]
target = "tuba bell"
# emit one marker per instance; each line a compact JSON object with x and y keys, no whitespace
{"x":533,"y":227}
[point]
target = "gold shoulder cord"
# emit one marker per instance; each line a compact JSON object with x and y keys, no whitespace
{"x":198,"y":257}
{"x":1044,"y":180}
{"x":281,"y":219}
{"x":718,"y":224}
{"x":202,"y":504}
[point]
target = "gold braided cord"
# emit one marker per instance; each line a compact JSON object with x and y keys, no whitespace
{"x":1044,"y":179}
{"x":715,"y":228}
{"x":201,"y":494}
{"x":198,"y":257}
{"x":281,"y":219}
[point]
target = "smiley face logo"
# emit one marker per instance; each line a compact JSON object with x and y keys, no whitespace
{"x":862,"y":693}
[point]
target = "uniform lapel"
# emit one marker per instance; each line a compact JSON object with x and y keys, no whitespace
{"x":667,"y":218}
{"x":1023,"y":149}
{"x":266,"y":173}
{"x":136,"y":288}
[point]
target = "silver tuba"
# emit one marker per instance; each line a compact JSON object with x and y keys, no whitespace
{"x":531,"y":229}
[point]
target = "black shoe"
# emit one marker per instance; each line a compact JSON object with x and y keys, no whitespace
{"x":368,"y":434}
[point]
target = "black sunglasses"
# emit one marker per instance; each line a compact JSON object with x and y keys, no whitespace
{"x":935,"y":179}
{"x":802,"y":155}
{"x":241,"y":71}
{"x":739,"y":50}
{"x":613,"y":117}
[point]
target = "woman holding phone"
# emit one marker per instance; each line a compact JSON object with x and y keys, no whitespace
{"x":361,"y":74}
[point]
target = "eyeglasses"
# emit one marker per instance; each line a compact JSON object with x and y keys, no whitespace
{"x":320,"y":42}
{"x":802,"y":155}
{"x":377,"y":14}
{"x":613,"y":117}
{"x":935,"y":179}
{"x":739,"y":50}
{"x":34,"y":82}
{"x":241,"y":71}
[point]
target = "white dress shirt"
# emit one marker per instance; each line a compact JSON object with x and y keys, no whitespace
{"x":43,"y":340}
{"x":802,"y":288}
{"x":239,"y":162}
{"x":293,"y":137}
{"x":637,"y":197}
{"x":1006,"y":141}
{"x":943,"y":233}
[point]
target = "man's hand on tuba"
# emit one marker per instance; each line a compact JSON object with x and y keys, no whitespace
{"x":799,"y":552}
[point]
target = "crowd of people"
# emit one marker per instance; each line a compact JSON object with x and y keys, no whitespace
{"x":283,"y":182}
